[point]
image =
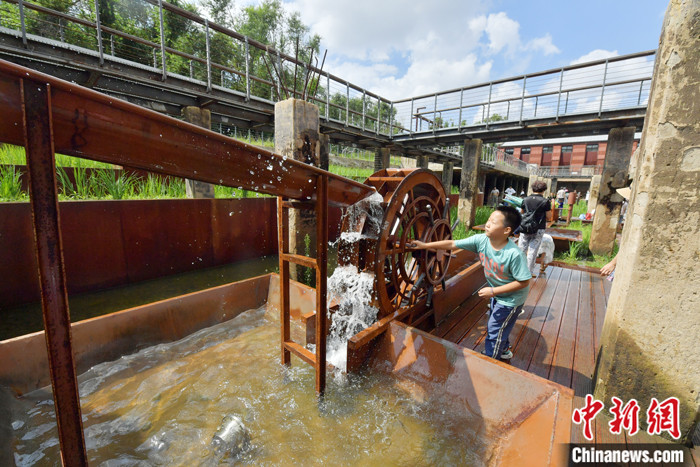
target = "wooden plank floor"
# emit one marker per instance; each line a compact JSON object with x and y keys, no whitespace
{"x":557,"y":333}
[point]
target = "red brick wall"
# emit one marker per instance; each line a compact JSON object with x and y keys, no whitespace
{"x":536,"y":155}
{"x":578,"y":155}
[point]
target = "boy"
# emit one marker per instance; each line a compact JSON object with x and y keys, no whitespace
{"x":506,"y":271}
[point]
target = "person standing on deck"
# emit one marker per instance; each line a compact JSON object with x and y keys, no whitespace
{"x":534,"y":223}
{"x":507,"y":275}
{"x":493,"y":197}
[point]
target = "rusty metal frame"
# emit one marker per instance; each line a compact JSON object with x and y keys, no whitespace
{"x":46,"y":115}
{"x":320,"y":265}
{"x":38,"y":136}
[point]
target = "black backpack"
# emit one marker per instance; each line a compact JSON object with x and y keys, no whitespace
{"x":530,"y":221}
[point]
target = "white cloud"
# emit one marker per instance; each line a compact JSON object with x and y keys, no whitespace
{"x":544,"y":44}
{"x":593,"y":55}
{"x":438,"y":43}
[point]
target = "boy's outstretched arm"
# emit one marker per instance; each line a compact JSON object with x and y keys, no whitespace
{"x":441,"y":245}
{"x":488,"y":292}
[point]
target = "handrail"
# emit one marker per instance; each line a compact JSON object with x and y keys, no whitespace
{"x":92,"y":125}
{"x":616,"y":83}
{"x":378,"y":124}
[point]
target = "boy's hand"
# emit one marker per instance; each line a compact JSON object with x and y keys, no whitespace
{"x":417,"y":245}
{"x":486,"y":292}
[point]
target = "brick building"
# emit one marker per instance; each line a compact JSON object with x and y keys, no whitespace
{"x":576,"y":151}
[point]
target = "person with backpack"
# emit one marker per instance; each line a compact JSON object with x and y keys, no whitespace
{"x":534,"y":222}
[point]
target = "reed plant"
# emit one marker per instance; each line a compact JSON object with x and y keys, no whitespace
{"x":11,"y":184}
{"x":116,"y":186}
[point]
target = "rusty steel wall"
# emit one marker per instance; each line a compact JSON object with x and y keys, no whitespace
{"x":110,"y":243}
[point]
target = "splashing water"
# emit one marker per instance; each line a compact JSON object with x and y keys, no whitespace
{"x":350,"y":290}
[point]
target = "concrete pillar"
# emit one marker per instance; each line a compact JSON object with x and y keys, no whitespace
{"x":382,"y":159}
{"x":422,"y":162}
{"x":324,"y":146}
{"x":199,"y":117}
{"x":447,"y":168}
{"x":615,"y":175}
{"x":468,"y":182}
{"x":649,"y":344}
{"x":553,"y":188}
{"x":593,"y":189}
{"x":297,"y":137}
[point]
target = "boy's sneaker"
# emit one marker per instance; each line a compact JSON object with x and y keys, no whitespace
{"x":507,"y":355}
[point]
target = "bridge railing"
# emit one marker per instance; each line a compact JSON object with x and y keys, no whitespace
{"x":216,"y":57}
{"x":573,"y":171}
{"x":615,"y":83}
{"x":497,"y":158}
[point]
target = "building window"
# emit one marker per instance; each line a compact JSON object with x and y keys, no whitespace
{"x":546,"y":149}
{"x":567,"y":148}
{"x":591,"y":147}
{"x":509,"y":151}
{"x":525,"y":154}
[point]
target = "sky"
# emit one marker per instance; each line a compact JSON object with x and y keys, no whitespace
{"x":399,"y":49}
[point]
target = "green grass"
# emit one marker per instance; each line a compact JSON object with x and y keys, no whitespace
{"x":11,"y":184}
{"x":579,"y":253}
{"x":350,"y":172}
{"x":460,"y":231}
{"x":15,"y":155}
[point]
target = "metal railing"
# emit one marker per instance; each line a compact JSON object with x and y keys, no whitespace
{"x":573,"y":171}
{"x":616,"y":83}
{"x":338,"y":100}
{"x":497,"y":158}
{"x":612,"y":84}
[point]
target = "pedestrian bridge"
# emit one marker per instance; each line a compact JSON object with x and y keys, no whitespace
{"x":586,"y":98}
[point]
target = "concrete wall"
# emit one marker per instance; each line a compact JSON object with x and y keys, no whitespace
{"x":652,"y":327}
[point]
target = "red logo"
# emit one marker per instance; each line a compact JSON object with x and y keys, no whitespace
{"x":627,"y":418}
{"x":586,"y":414}
{"x":664,"y":416}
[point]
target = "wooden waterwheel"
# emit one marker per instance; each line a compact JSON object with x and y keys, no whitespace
{"x":414,"y":208}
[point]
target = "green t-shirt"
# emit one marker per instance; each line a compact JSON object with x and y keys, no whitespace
{"x":500,"y":266}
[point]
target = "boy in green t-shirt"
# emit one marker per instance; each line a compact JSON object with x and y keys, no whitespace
{"x":506,"y":271}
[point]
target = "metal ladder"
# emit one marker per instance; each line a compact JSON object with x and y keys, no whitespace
{"x":319,"y":264}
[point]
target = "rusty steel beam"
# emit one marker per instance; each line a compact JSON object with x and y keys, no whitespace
{"x":321,"y":282}
{"x":94,"y":126}
{"x":38,"y":140}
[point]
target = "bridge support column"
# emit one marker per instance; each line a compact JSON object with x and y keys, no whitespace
{"x":324,"y":150}
{"x":650,"y":335}
{"x":199,"y":117}
{"x":468,"y":188}
{"x":297,"y":137}
{"x":422,"y":162}
{"x":447,"y":169}
{"x":593,"y":190}
{"x":382,"y":159}
{"x":615,"y":175}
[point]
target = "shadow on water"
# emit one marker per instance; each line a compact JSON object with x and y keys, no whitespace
{"x":25,"y":319}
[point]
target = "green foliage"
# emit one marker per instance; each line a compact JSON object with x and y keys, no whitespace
{"x":355,"y":173}
{"x":11,"y":184}
{"x":116,"y":186}
{"x":482,"y":214}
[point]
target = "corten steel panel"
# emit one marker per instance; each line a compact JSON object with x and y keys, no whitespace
{"x":23,"y":362}
{"x":95,"y":126}
{"x":526,"y":414}
{"x":18,"y":267}
{"x":94,"y":252}
{"x":243,"y":229}
{"x":170,"y":241}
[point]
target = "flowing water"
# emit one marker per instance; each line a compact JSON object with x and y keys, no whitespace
{"x":164,"y":404}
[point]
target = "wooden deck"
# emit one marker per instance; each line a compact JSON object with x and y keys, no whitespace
{"x":555,"y":337}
